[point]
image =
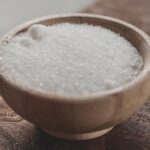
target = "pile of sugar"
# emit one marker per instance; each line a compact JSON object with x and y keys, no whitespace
{"x":69,"y":59}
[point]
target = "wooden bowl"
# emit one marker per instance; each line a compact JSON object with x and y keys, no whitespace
{"x":81,"y":117}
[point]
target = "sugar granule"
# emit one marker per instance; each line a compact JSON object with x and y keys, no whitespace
{"x":70,"y":59}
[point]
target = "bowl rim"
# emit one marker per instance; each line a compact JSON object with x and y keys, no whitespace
{"x":75,"y":98}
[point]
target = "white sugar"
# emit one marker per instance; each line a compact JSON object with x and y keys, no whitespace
{"x":70,"y":59}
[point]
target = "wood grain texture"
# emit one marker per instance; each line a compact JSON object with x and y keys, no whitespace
{"x":136,"y":12}
{"x":134,"y":134}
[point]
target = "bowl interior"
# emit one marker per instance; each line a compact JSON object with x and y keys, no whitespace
{"x":131,"y":33}
{"x":124,"y":29}
{"x":138,"y":38}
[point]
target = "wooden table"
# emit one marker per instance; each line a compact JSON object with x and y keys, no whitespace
{"x":134,"y":134}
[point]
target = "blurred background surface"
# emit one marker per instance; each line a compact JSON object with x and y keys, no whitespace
{"x":14,"y":12}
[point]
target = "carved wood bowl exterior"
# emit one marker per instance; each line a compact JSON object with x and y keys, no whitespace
{"x":81,"y":117}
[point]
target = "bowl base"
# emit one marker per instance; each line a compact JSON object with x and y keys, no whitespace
{"x":79,"y":136}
